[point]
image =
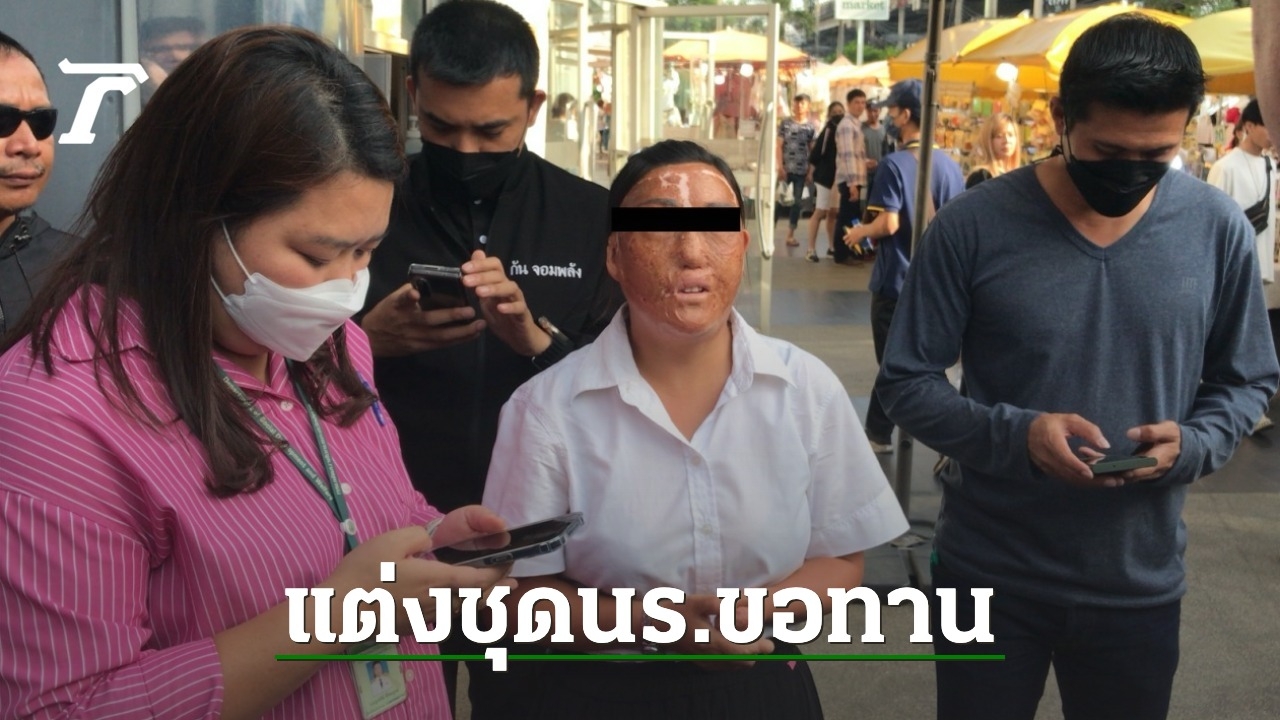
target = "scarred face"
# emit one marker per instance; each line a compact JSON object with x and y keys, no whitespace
{"x":680,"y":283}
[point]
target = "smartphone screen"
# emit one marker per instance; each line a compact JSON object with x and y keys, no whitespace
{"x":512,"y":544}
{"x":438,"y":286}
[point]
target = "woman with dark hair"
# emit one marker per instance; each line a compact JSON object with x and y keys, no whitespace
{"x":823,"y":159}
{"x":185,"y":420}
{"x":563,"y":124}
{"x":702,"y":454}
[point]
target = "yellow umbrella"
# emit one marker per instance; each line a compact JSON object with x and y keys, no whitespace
{"x":872,"y":73}
{"x":1040,"y":48}
{"x":1225,"y":42}
{"x":731,"y":46}
{"x":953,"y":42}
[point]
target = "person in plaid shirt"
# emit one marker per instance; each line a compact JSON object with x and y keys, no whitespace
{"x":851,"y":166}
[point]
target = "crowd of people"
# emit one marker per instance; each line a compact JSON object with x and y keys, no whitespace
{"x":175,"y":457}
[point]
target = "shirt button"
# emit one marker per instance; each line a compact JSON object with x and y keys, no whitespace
{"x":705,"y":529}
{"x":346,"y":489}
{"x":408,"y":676}
{"x":476,"y":202}
{"x":484,"y":239}
{"x":695,"y":461}
{"x":286,"y":405}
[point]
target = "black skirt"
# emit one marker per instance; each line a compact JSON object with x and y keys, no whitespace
{"x":573,"y":690}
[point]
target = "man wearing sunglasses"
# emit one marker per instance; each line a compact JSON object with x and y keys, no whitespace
{"x":27,"y":243}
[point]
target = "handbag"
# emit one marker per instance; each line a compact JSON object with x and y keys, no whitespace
{"x":786,"y":194}
{"x":1259,"y":212}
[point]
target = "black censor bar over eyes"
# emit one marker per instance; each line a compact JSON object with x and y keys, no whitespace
{"x":677,"y":219}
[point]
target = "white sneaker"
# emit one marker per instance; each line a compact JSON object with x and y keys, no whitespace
{"x":1263,"y":423}
{"x":881,"y":448}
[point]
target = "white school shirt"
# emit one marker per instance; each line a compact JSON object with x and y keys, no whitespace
{"x":1243,"y":177}
{"x":779,"y":472}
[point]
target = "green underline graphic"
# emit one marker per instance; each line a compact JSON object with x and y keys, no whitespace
{"x":587,"y":657}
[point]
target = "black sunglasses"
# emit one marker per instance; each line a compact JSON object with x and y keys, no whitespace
{"x":40,"y":121}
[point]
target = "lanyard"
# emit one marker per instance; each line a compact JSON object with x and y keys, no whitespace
{"x":330,"y":492}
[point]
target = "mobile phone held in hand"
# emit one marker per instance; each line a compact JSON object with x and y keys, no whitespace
{"x":438,"y":286}
{"x":511,"y":544}
{"x":1111,"y":464}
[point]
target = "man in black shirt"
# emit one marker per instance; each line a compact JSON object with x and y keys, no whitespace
{"x":530,"y":239}
{"x":27,"y":243}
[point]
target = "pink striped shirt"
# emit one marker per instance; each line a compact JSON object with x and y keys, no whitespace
{"x":119,"y":566}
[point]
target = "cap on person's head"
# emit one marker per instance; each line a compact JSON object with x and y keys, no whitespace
{"x":875,"y":105}
{"x":906,"y":94}
{"x":1232,"y":115}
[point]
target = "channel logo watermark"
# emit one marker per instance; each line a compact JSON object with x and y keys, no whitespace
{"x":115,"y":77}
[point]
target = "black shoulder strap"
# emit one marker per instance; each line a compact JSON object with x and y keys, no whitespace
{"x":1267,"y":194}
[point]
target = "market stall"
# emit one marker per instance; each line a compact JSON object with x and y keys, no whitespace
{"x":968,"y":92}
{"x":720,"y":71}
{"x":1008,"y":65}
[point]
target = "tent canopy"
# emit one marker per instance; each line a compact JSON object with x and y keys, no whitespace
{"x":732,"y":46}
{"x":959,"y":39}
{"x":954,"y":42}
{"x":1225,"y":42}
{"x":846,"y":73}
{"x":1044,"y":44}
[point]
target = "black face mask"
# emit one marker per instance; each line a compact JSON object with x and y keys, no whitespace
{"x":481,"y":174}
{"x":1114,"y":187}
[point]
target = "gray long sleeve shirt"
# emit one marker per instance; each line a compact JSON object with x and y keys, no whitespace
{"x":1166,"y":323}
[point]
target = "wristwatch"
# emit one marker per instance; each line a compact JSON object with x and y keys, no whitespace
{"x":559,"y":348}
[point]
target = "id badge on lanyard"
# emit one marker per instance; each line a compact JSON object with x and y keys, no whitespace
{"x":379,"y":684}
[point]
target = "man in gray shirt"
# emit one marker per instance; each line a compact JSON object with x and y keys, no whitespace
{"x":876,"y":136}
{"x":1102,"y":305}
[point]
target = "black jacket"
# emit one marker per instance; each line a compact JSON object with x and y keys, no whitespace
{"x":550,"y":230}
{"x":27,"y":249}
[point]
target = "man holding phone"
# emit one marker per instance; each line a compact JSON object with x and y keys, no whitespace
{"x":1102,"y":303}
{"x":528,"y":237}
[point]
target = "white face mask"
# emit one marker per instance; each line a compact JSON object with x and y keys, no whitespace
{"x":294,"y":322}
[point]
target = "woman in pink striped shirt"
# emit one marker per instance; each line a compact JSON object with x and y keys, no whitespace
{"x":185,"y":426}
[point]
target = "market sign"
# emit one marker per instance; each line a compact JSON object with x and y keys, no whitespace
{"x":863,"y":9}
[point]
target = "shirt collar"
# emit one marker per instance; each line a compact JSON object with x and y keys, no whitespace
{"x":80,"y":318}
{"x":610,"y":363}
